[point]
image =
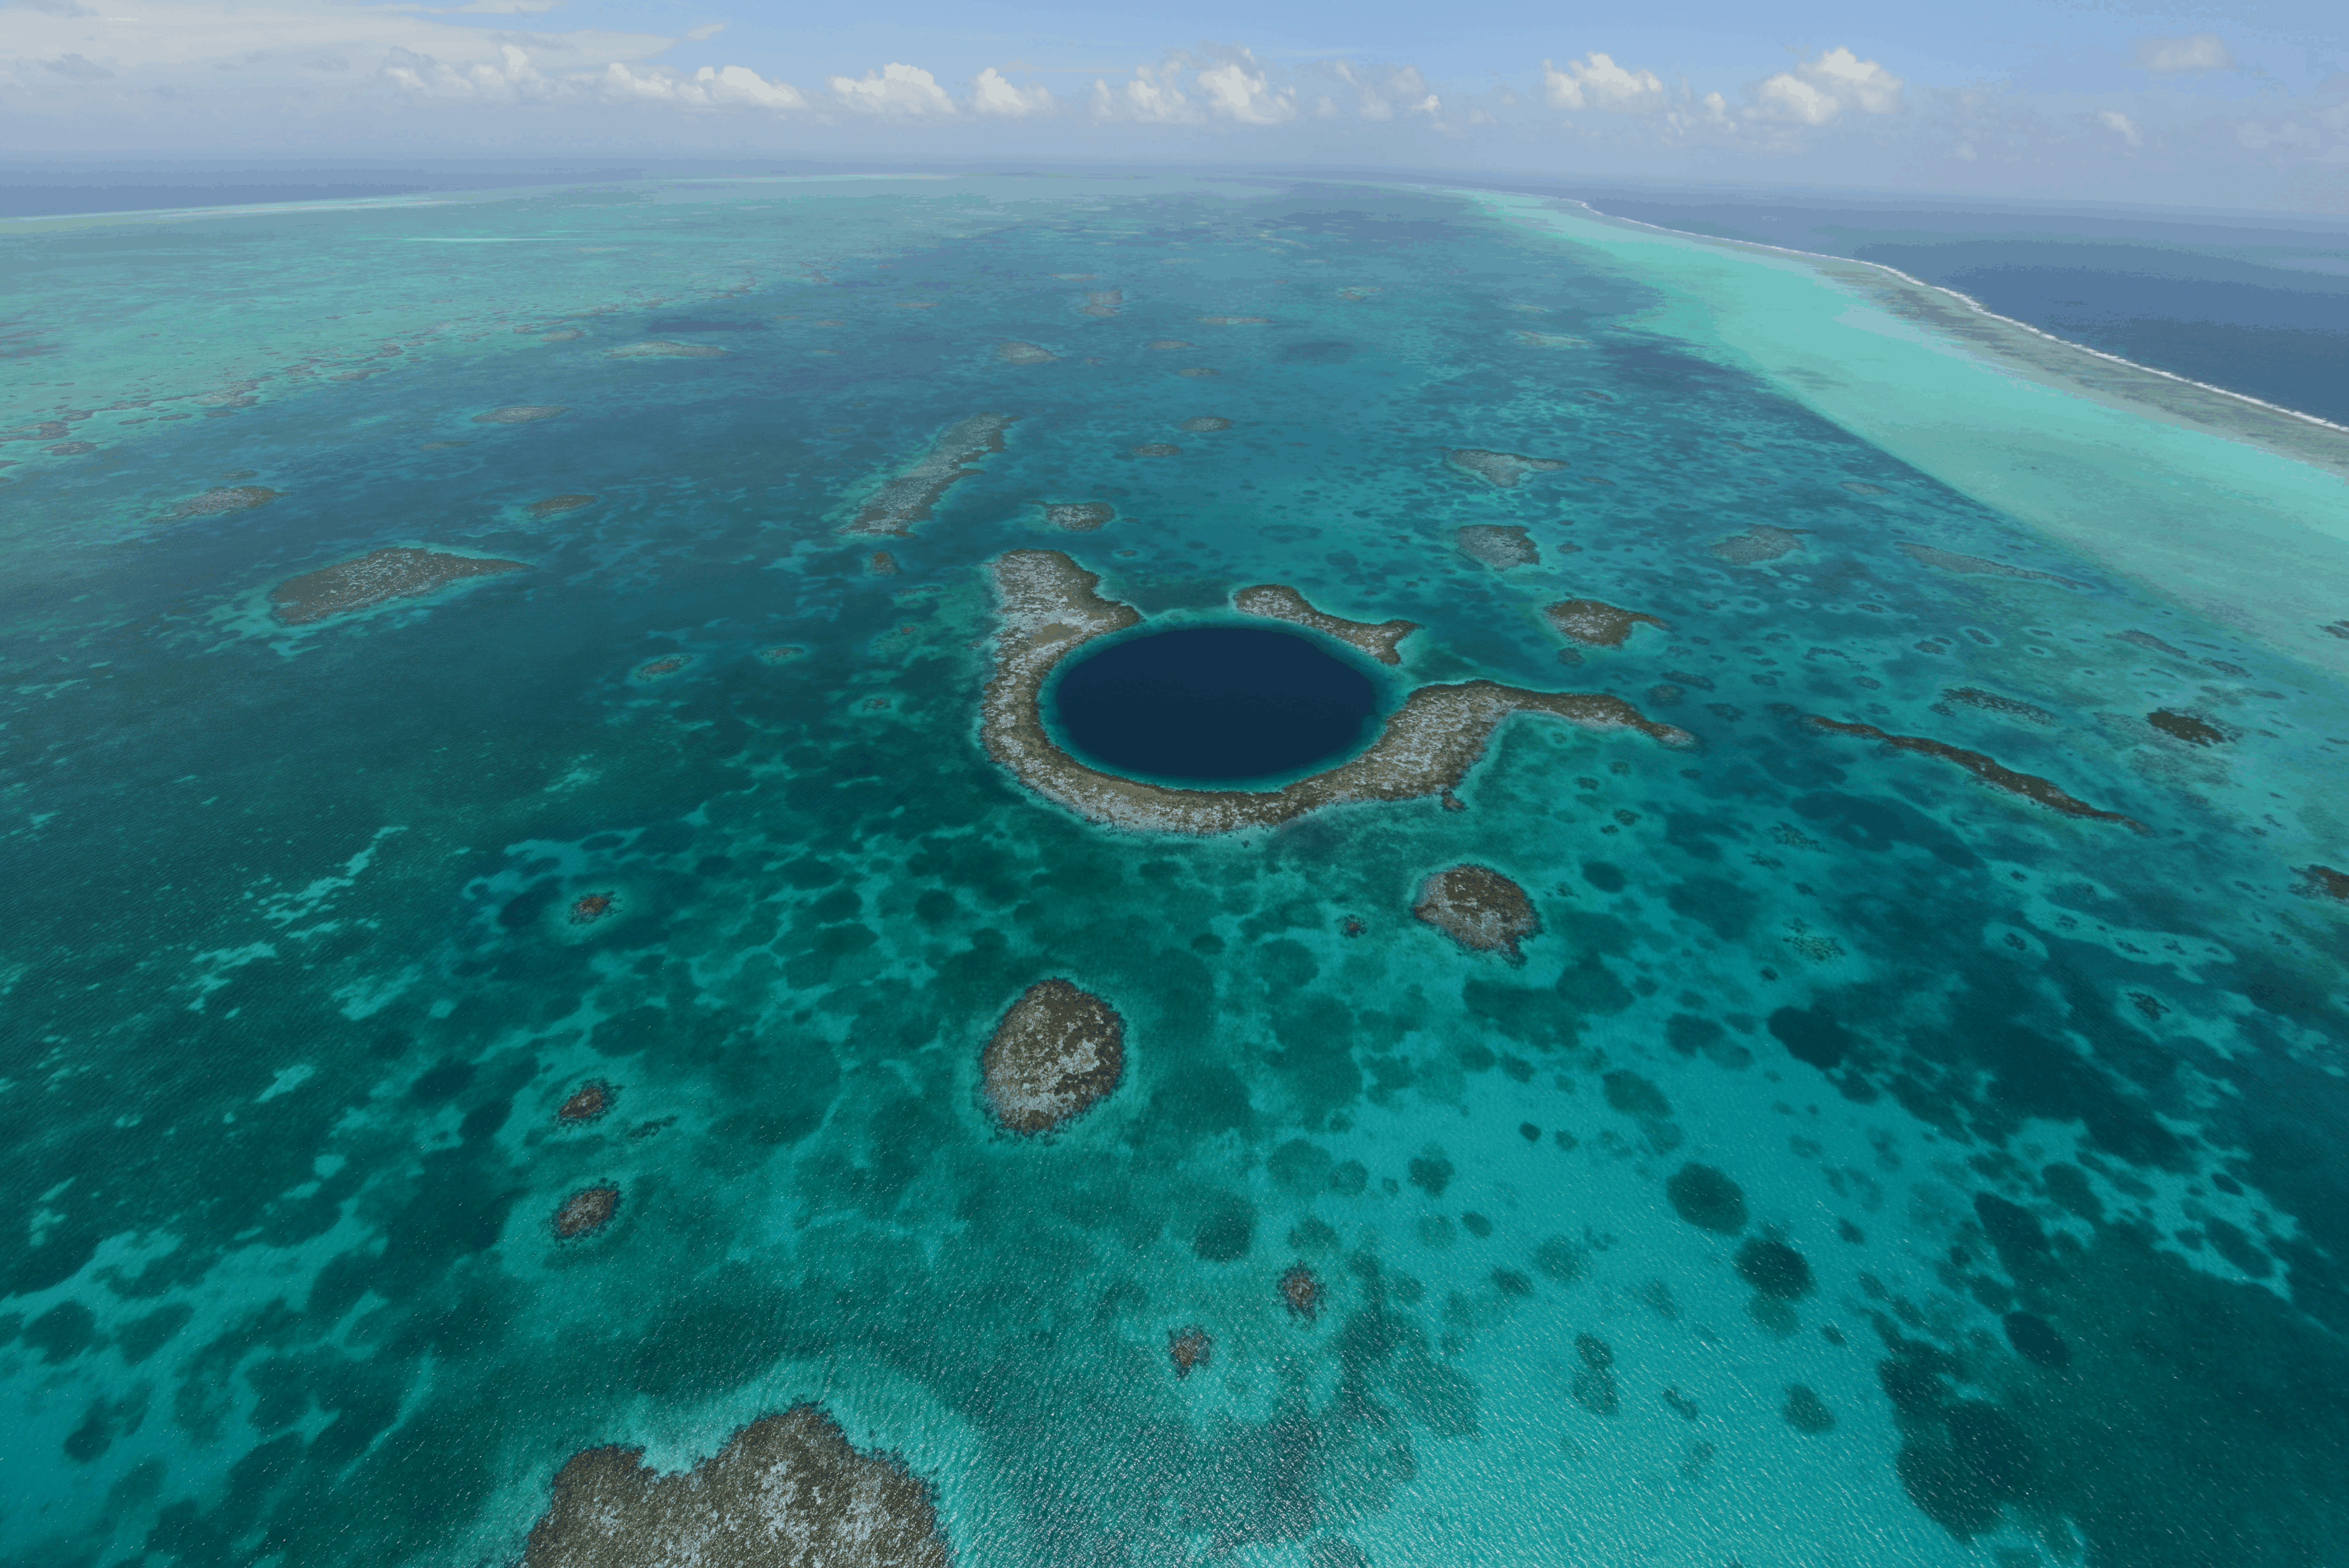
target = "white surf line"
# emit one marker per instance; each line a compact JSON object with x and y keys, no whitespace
{"x":1975,"y":304}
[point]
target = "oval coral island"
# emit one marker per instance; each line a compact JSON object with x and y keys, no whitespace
{"x":1056,"y":1053}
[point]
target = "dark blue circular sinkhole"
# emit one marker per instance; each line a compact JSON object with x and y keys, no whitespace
{"x":1214,"y":704}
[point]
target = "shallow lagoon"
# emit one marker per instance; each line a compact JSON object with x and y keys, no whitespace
{"x":1861,"y":1163}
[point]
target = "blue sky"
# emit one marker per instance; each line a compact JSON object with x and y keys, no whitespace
{"x":2241,"y":104}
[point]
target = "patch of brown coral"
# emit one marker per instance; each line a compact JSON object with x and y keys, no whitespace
{"x":2323,"y":882}
{"x":1276,"y":601}
{"x":227,"y":498}
{"x":1988,"y":769}
{"x":906,"y":497}
{"x":1478,"y":907}
{"x":1057,"y":1052}
{"x":1977,"y":566}
{"x":1499,"y":545}
{"x":1189,"y":1347}
{"x":1758,"y":544}
{"x":1596,"y":622}
{"x":1503,"y":469}
{"x":786,"y":1492}
{"x":1049,"y":608}
{"x":2185,"y":727}
{"x":555,"y":504}
{"x":521,"y":414}
{"x":586,"y":1211}
{"x":400,"y":572}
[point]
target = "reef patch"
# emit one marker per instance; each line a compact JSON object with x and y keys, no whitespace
{"x":1077,"y":517}
{"x":786,"y":1490}
{"x":2186,"y":727}
{"x":1203,"y":424}
{"x":1758,"y":544}
{"x":399,"y":572}
{"x":1977,"y":566}
{"x":1988,"y":769}
{"x":588,"y":1102}
{"x":1049,"y":606}
{"x":1499,"y":545}
{"x":906,"y":497}
{"x":225,"y":499}
{"x":1991,"y":702}
{"x":522,"y":414}
{"x":1189,"y":1348}
{"x":663,"y":348}
{"x":1057,"y":1052}
{"x":1301,"y":1290}
{"x":1597,"y":622}
{"x":1500,"y":469}
{"x":1478,"y":907}
{"x":1024,"y":353}
{"x":1276,"y":601}
{"x":556,"y":506}
{"x":586,"y":1211}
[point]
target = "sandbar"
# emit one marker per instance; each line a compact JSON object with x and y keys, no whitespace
{"x":785,"y":1492}
{"x":1057,"y":1052}
{"x":399,"y":572}
{"x":1597,"y":622}
{"x":1279,"y":602}
{"x":1988,"y":769}
{"x":1049,"y":608}
{"x":1503,"y":469}
{"x":905,"y":498}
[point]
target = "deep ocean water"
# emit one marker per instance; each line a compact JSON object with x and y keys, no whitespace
{"x":1863,"y":1162}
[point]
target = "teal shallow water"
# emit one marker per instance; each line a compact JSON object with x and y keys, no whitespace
{"x":293,"y":989}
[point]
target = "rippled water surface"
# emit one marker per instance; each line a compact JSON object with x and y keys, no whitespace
{"x":1869,"y":1159}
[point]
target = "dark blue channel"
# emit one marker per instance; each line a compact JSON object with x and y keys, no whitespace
{"x":1214,"y":704}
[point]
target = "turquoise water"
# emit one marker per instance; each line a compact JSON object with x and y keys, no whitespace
{"x":2005,"y":1137}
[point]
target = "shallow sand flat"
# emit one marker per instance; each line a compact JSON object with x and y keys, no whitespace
{"x":2230,"y":505}
{"x":398,"y":572}
{"x":1049,"y":608}
{"x":906,"y":498}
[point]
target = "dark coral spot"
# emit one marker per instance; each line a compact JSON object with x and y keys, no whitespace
{"x":1707,"y":1198}
{"x":1775,"y":1269}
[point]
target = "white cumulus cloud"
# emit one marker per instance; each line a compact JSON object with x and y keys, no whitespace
{"x":510,"y":76}
{"x":1151,"y":96}
{"x":2186,"y":57}
{"x":705,"y":88}
{"x":893,"y":89}
{"x":2121,"y":125}
{"x":1817,"y":92}
{"x":1237,"y":91}
{"x":993,"y":94}
{"x":1595,"y":81}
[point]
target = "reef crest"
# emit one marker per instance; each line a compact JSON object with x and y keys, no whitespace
{"x":905,"y":498}
{"x":1276,"y":601}
{"x":1050,"y":607}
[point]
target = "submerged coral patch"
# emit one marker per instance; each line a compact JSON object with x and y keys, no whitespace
{"x":1078,"y":516}
{"x":1977,"y":566}
{"x":521,"y":414}
{"x":1499,"y":545}
{"x":1759,"y":543}
{"x":586,"y":1211}
{"x":906,"y":497}
{"x":1502,"y":470}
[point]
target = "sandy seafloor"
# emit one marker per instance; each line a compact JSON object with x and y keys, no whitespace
{"x":291,"y":993}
